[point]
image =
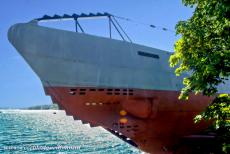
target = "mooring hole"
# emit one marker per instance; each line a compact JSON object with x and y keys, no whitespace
{"x":73,"y":89}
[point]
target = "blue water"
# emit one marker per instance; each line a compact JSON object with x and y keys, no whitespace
{"x":24,"y":131}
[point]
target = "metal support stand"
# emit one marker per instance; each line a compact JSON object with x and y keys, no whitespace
{"x":122,"y":29}
{"x":78,"y":24}
{"x":75,"y":17}
{"x":117,"y":30}
{"x":110,"y":30}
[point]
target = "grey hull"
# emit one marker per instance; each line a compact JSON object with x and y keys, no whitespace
{"x":69,"y":59}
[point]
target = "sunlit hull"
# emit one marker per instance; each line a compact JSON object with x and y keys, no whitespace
{"x":126,"y":88}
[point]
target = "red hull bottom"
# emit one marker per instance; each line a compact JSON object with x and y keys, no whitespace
{"x":153,"y":120}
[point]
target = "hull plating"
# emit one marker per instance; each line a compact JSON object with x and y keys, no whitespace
{"x":151,"y":127}
{"x":130,"y":94}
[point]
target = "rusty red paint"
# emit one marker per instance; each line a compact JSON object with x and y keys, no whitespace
{"x":156,"y":118}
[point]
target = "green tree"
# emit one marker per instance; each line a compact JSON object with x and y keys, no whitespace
{"x":204,"y":51}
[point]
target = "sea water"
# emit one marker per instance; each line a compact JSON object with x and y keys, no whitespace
{"x":51,"y":131}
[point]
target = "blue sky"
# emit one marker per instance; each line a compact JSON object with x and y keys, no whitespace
{"x":20,"y":87}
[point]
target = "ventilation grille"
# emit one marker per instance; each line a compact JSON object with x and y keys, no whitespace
{"x":117,"y":92}
{"x":124,"y":92}
{"x":101,"y":103}
{"x":128,"y":128}
{"x":146,"y":54}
